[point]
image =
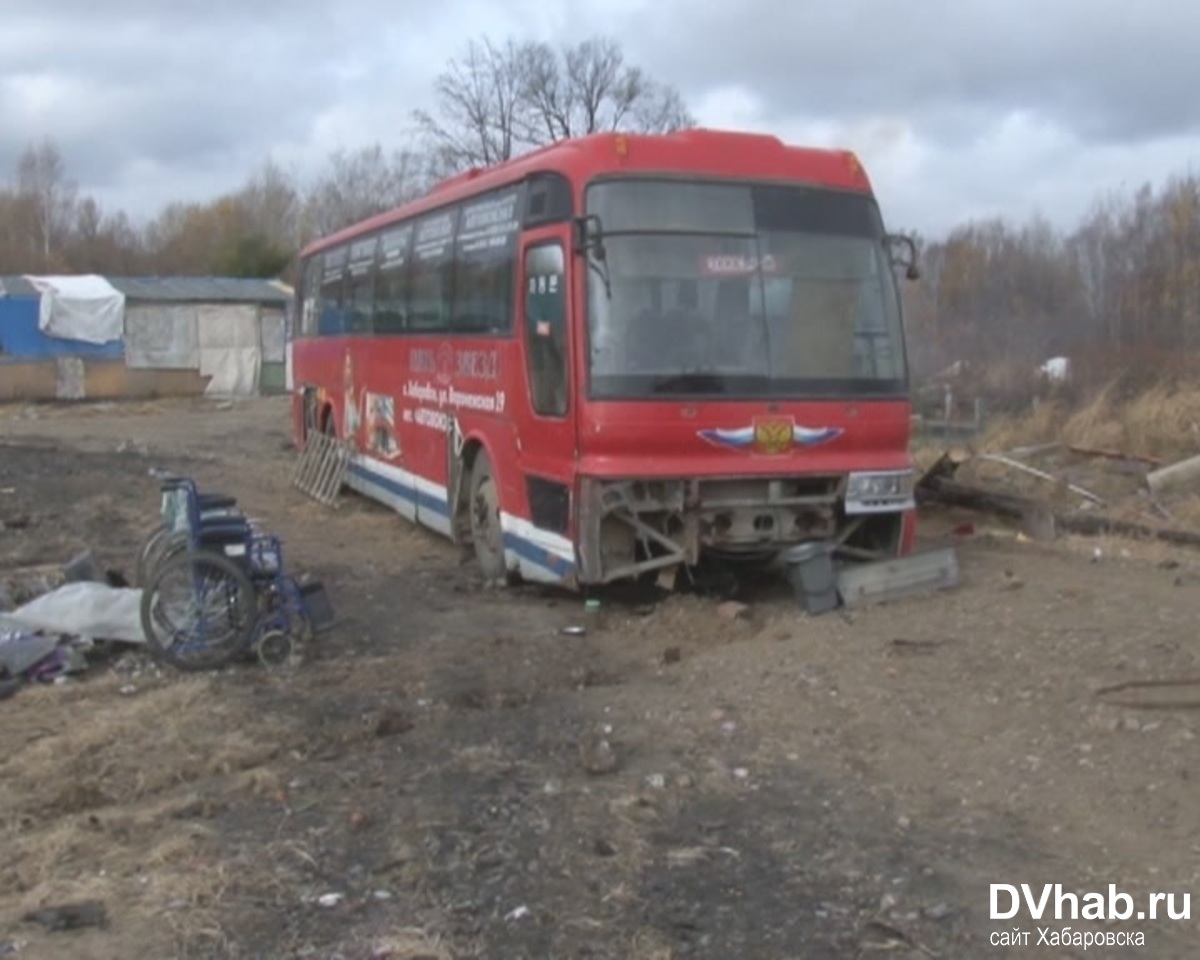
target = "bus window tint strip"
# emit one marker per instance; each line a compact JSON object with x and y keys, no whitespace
{"x":667,"y":206}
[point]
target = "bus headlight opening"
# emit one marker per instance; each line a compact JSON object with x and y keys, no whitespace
{"x":879,"y":491}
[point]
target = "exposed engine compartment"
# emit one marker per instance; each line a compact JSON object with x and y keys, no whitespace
{"x":630,"y":527}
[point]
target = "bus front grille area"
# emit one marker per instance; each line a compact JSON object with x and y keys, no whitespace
{"x":631,"y":527}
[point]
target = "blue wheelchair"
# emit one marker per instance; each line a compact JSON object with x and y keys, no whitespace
{"x":214,"y":587}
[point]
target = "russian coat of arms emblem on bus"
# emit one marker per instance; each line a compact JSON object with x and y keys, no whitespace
{"x":771,"y":436}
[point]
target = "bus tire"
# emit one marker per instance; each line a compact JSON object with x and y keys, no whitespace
{"x":484,"y":508}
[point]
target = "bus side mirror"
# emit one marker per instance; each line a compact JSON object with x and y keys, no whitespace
{"x":589,"y":236}
{"x":909,"y":262}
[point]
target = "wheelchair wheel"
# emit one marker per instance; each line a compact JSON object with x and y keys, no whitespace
{"x":147,"y":558}
{"x":199,"y":611}
{"x":275,"y":648}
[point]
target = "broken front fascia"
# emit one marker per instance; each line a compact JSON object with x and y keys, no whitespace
{"x":633,"y":526}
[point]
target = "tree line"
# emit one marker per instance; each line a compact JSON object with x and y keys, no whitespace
{"x":1118,"y":294}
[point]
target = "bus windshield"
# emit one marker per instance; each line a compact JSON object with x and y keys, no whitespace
{"x":741,"y":290}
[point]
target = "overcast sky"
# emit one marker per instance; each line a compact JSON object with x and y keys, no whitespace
{"x":959,"y":108}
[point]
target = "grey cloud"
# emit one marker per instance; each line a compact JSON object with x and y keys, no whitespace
{"x":1107,"y":71}
{"x":191,"y":84}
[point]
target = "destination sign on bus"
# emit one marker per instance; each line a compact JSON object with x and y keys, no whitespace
{"x":737,"y":264}
{"x":490,"y":224}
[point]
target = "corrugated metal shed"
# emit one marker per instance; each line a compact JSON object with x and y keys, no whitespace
{"x":199,"y":290}
{"x":177,"y":289}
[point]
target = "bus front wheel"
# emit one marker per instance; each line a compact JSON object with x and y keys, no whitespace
{"x":486,"y":532}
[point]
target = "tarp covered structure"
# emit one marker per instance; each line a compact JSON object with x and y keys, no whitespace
{"x":227,"y":336}
{"x":86,"y":308}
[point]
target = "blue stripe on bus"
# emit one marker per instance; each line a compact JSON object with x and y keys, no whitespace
{"x":522,"y":547}
{"x":409,"y":492}
{"x":528,"y":550}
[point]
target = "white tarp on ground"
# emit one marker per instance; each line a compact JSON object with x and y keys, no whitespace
{"x":94,"y":611}
{"x":230,"y":342}
{"x":86,"y":308}
{"x":162,"y":337}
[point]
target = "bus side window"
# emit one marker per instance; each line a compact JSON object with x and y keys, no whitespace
{"x":331,"y":320}
{"x":546,"y":329}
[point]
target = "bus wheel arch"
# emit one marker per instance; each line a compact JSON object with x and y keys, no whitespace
{"x":328,"y":425}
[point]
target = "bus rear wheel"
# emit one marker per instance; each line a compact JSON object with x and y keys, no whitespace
{"x":486,"y":533}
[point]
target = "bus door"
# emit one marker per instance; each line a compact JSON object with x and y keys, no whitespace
{"x":547,"y":456}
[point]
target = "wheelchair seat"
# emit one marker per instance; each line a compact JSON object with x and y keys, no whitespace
{"x":224,"y":532}
{"x":215,"y":501}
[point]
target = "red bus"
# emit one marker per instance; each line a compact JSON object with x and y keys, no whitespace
{"x":618,"y":354}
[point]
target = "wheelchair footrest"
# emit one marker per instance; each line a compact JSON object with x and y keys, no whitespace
{"x":317,"y":606}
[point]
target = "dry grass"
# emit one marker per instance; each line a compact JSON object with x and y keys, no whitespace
{"x":106,"y":795}
{"x":1162,"y":422}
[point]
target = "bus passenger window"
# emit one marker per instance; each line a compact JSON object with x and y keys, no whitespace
{"x":331,"y":320}
{"x":546,"y":329}
{"x":360,"y":305}
{"x":391,"y":287}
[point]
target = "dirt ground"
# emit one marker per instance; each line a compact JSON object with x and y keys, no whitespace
{"x":786,"y":786}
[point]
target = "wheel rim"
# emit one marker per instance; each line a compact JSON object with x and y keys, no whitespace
{"x":197,"y":610}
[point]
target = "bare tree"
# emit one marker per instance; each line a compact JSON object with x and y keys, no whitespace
{"x":359,"y":185}
{"x":273,"y":205}
{"x":495,"y":102}
{"x":48,"y":198}
{"x":592,"y":89}
{"x":482,"y":105}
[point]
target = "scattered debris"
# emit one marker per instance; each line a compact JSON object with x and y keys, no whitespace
{"x":886,"y":580}
{"x":672,"y":655}
{"x":86,"y":609}
{"x":593,"y":616}
{"x":321,"y":467}
{"x":70,"y":916}
{"x":1113,"y":455}
{"x":812,"y":576}
{"x":1041,"y":475}
{"x":602,"y":848}
{"x":596,"y":752}
{"x":1151,"y":704}
{"x":732,"y":610}
{"x":1174,"y":475}
{"x":938,"y":485}
{"x":329,"y":900}
{"x":389,"y":722}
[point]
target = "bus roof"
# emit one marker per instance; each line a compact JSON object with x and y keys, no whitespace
{"x":699,"y":151}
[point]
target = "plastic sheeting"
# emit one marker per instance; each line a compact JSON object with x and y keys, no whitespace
{"x":162,"y":337}
{"x":86,"y":308}
{"x":229,"y":338}
{"x":94,"y":611}
{"x":70,"y":382}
